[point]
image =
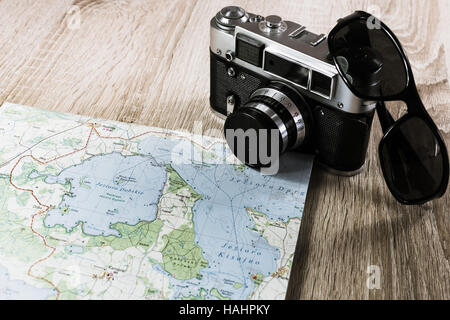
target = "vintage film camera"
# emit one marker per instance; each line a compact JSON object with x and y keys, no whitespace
{"x":274,"y":74}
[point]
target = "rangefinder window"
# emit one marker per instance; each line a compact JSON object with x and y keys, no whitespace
{"x":286,"y":69}
{"x":249,"y":50}
{"x":321,"y":84}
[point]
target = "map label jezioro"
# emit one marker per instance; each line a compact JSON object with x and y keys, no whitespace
{"x":96,"y":209}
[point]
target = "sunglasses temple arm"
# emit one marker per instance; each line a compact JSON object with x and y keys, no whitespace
{"x":386,"y":119}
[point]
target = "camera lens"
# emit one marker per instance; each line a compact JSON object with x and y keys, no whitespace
{"x":273,"y":121}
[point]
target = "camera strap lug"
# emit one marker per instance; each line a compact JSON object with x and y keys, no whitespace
{"x":231,"y":102}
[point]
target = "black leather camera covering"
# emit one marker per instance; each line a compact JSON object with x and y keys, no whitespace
{"x":340,"y":139}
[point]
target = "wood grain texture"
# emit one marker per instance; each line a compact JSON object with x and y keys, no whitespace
{"x":147,"y":61}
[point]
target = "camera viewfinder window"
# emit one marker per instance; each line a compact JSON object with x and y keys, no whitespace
{"x":286,"y":69}
{"x":321,"y":84}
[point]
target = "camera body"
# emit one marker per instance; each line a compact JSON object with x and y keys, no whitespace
{"x":276,"y":73}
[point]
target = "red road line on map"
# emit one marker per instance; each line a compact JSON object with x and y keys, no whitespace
{"x":128,"y":139}
{"x":157,"y":132}
{"x":53,"y":249}
{"x":43,"y":259}
{"x":47,"y":208}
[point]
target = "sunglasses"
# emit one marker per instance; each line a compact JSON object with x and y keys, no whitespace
{"x":373,"y":64}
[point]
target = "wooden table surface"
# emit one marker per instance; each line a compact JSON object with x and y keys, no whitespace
{"x":147,"y":61}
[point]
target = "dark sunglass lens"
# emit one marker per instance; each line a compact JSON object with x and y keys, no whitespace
{"x":412,"y":160}
{"x":369,"y":59}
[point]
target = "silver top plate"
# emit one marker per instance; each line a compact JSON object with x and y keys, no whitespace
{"x":296,"y":44}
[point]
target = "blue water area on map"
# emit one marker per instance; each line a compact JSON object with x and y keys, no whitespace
{"x":74,"y":249}
{"x":222,"y":225}
{"x":106,"y":190}
{"x":19,"y":290}
{"x":112,"y":188}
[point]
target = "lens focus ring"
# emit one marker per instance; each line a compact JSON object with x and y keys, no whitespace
{"x":275,"y":118}
{"x":276,"y":108}
{"x":288,"y":107}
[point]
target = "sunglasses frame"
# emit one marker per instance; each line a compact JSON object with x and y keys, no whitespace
{"x":444,"y":183}
{"x":410,"y":96}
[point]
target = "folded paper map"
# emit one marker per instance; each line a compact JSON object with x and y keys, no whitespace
{"x":96,"y":209}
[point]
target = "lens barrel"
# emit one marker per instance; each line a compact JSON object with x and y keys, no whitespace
{"x":273,"y":107}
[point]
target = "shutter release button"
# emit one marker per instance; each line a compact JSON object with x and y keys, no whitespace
{"x":274,"y":22}
{"x":273,"y":25}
